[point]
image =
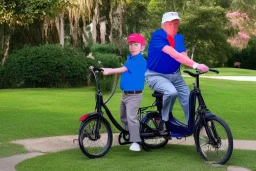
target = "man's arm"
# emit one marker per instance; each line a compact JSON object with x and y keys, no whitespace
{"x":180,"y":57}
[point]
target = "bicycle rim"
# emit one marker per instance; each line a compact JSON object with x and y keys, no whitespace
{"x":220,"y":150}
{"x":95,"y":145}
{"x":158,"y":141}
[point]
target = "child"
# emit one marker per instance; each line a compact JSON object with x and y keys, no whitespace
{"x":132,"y":84}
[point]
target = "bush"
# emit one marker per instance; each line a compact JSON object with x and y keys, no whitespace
{"x":46,"y":66}
{"x":104,"y":56}
{"x":107,"y":60}
{"x":104,"y":48}
{"x":2,"y":77}
{"x":246,"y":56}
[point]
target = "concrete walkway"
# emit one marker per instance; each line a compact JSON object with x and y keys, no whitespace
{"x":41,"y":146}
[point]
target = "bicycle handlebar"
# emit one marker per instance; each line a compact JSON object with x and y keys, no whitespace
{"x":192,"y":74}
{"x":94,"y":69}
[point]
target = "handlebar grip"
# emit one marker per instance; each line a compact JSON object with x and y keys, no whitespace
{"x":214,"y":70}
{"x":190,"y":73}
{"x":95,"y":69}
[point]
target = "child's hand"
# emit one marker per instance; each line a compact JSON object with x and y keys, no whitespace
{"x":107,"y":71}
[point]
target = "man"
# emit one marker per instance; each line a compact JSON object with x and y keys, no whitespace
{"x":166,"y":53}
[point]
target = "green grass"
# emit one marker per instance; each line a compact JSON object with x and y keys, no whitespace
{"x":171,"y":157}
{"x":181,"y":158}
{"x":233,"y":72}
{"x":9,"y":149}
{"x":31,"y":113}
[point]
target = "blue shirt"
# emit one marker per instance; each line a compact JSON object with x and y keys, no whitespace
{"x":158,"y":61}
{"x":133,"y":78}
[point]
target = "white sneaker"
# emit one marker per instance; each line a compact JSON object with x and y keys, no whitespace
{"x":135,"y":147}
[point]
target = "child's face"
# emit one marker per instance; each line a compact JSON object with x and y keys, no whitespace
{"x":135,"y":48}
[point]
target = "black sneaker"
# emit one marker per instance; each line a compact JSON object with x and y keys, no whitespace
{"x":162,"y":128}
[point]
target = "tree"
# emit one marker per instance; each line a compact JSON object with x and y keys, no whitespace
{"x":205,"y":35}
{"x":15,"y":13}
{"x":242,"y":18}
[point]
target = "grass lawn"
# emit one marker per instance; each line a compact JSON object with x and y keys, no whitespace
{"x":119,"y":158}
{"x":31,"y":113}
{"x":233,"y":72}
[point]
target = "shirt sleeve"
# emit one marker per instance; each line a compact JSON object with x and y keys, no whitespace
{"x":128,"y":65}
{"x":181,"y":46}
{"x":158,"y":42}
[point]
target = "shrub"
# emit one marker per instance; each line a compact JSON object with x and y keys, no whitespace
{"x":104,"y":48}
{"x":46,"y":66}
{"x":107,"y":60}
{"x":105,"y":56}
{"x":245,"y":56}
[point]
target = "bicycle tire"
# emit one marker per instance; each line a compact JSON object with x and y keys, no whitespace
{"x":218,"y":153}
{"x":90,"y":145}
{"x":152,"y":125}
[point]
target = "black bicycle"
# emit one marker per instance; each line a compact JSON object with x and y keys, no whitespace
{"x":212,"y":135}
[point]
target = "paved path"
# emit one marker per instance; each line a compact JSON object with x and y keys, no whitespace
{"x":40,"y":146}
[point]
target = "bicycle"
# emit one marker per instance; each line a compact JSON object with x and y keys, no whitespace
{"x":203,"y":124}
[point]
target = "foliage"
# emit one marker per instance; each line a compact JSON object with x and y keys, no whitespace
{"x":46,"y":66}
{"x":22,"y":12}
{"x":245,"y":27}
{"x":205,"y":34}
{"x":245,"y":56}
{"x":105,"y":56}
{"x":104,"y":48}
{"x":137,"y":9}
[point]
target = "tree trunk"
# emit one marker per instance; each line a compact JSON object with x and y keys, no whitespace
{"x":74,"y":32}
{"x":108,"y":21}
{"x":192,"y":53}
{"x":96,"y":24}
{"x":62,"y":32}
{"x":6,"y":45}
{"x":121,"y":27}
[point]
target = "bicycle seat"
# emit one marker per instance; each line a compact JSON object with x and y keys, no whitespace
{"x":157,"y":94}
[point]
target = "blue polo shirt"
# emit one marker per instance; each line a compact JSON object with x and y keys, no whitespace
{"x":158,"y":61}
{"x":133,"y":79}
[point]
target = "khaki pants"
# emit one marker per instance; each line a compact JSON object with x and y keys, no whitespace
{"x":128,"y":114}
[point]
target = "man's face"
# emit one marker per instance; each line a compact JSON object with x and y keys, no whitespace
{"x":171,"y":27}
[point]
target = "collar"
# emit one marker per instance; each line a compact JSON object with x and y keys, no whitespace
{"x":136,"y":56}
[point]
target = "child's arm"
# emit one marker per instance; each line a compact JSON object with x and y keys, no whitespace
{"x":110,"y":71}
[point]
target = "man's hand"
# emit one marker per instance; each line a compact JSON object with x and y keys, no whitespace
{"x":202,"y":68}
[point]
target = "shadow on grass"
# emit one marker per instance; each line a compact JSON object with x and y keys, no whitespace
{"x":119,"y":158}
{"x":9,"y":149}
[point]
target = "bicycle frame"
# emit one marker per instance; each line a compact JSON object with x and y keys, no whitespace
{"x":179,"y":129}
{"x":101,"y":104}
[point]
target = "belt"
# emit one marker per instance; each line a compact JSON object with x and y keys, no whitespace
{"x":132,"y":92}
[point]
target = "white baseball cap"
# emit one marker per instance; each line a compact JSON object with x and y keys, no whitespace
{"x":169,"y":16}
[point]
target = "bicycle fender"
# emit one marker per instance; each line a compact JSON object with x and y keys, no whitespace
{"x":86,"y":116}
{"x":209,"y":115}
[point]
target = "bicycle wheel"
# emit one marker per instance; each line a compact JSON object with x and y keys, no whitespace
{"x":219,"y":150}
{"x":151,"y":125}
{"x":95,"y":145}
